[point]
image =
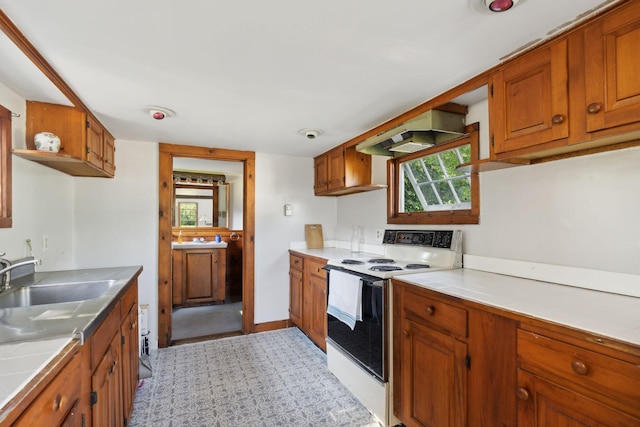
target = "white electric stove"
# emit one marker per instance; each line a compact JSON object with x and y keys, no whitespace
{"x":361,"y":358}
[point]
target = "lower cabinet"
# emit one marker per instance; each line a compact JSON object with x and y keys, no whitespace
{"x":61,"y":403}
{"x":114,"y":363}
{"x":460,"y":363}
{"x":308,"y":296}
{"x":199,"y":276}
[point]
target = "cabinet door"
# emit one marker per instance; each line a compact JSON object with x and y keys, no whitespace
{"x":544,"y":404}
{"x":612,"y":68}
{"x":129,"y":356}
{"x":295,"y":296}
{"x":321,"y":172}
{"x":108,"y":153}
{"x":106,"y":386}
{"x":336,"y":168}
{"x":529,"y":105}
{"x":201,"y":276}
{"x":94,"y":143}
{"x":318,"y":310}
{"x":433,"y":378}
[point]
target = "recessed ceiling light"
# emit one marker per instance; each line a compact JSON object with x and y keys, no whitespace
{"x":159,"y":113}
{"x":493,"y":6}
{"x":310,"y":133}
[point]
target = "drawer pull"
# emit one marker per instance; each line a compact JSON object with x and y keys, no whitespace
{"x":522,"y":393}
{"x":579,"y":367}
{"x":430,"y":310}
{"x":57,"y":403}
{"x":557,"y":119}
{"x":594,"y":108}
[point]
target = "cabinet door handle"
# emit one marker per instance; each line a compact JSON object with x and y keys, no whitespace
{"x":579,"y":367}
{"x":430,"y":310}
{"x":406,"y":333}
{"x":594,"y":108}
{"x":522,"y":393}
{"x":557,"y":119}
{"x":57,"y":403}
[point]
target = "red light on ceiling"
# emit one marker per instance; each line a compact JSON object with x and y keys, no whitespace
{"x":499,"y":5}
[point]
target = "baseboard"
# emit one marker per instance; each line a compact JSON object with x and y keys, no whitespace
{"x":270,"y":326}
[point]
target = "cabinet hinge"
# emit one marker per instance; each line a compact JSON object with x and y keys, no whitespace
{"x":492,"y":141}
{"x":122,"y":339}
{"x":126,"y":422}
{"x":467,"y":362}
{"x":491,"y":89}
{"x":93,"y":398}
{"x":87,"y":150}
{"x":87,"y":124}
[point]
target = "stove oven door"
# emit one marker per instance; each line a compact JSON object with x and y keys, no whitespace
{"x":365,"y":344}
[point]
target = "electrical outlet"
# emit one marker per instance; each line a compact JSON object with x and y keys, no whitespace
{"x":45,"y":242}
{"x":379,"y":234}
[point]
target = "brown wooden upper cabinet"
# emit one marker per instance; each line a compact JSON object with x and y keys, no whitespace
{"x":343,"y":170}
{"x":612,"y":67}
{"x":530,"y":100}
{"x":86,"y":147}
{"x":577,"y":92}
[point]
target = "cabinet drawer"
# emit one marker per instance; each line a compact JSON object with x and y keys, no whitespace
{"x":442,"y":315}
{"x":58,"y":399}
{"x":103,"y":335}
{"x":616,"y":381}
{"x":129,"y":299}
{"x":315,"y":268}
{"x":296,"y":262}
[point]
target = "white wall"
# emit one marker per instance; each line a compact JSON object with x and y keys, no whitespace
{"x":281,"y":180}
{"x":43,"y":201}
{"x":117,"y":220}
{"x":580,"y":212}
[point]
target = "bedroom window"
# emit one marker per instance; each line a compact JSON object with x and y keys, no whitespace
{"x":429,"y":189}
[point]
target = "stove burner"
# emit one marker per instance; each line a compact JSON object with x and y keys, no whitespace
{"x":381,"y":261}
{"x":352,"y":261}
{"x":416,"y":266}
{"x":385,"y":268}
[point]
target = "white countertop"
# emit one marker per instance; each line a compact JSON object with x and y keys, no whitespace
{"x":20,"y":362}
{"x":607,"y":314}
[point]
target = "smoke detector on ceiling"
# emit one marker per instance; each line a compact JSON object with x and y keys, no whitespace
{"x":310,"y":133}
{"x":159,"y":113}
{"x":493,"y":6}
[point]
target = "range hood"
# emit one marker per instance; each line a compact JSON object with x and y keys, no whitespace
{"x":426,"y":130}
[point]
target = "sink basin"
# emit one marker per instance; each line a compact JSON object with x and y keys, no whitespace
{"x":198,"y":245}
{"x":53,"y":294}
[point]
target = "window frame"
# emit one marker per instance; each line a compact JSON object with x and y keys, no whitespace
{"x":5,"y":168}
{"x":447,"y":216}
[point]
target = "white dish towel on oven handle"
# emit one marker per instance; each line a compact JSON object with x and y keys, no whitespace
{"x":345,"y":297}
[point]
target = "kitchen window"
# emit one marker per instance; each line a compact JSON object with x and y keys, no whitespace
{"x":5,"y":168}
{"x":427,"y":187}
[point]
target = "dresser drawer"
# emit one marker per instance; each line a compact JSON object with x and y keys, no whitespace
{"x":434,"y":312}
{"x":616,"y":381}
{"x":296,"y":262}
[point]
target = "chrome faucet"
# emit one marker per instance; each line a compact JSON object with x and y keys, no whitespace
{"x":5,"y":273}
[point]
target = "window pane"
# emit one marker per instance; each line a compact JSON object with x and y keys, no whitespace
{"x":433,"y":183}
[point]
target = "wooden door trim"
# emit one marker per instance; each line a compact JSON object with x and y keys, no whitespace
{"x":165,"y":190}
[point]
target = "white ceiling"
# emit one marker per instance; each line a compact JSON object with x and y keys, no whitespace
{"x":249,"y":75}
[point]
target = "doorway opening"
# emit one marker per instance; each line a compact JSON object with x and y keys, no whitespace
{"x":205,"y":268}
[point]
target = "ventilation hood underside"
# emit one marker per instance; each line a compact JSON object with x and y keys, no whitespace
{"x":426,"y":130}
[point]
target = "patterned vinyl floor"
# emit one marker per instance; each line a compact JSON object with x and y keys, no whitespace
{"x":276,"y":378}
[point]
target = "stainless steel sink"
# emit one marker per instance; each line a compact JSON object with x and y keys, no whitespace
{"x":53,"y":294}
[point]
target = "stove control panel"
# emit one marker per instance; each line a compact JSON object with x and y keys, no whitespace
{"x":432,"y":239}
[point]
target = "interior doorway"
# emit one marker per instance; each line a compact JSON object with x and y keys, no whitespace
{"x":207,"y":282}
{"x":168,"y":233}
